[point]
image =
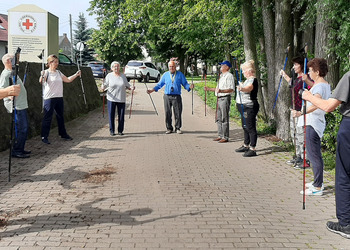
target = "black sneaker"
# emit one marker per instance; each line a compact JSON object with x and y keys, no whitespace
{"x":45,"y":140}
{"x":249,"y":153}
{"x":335,"y":227}
{"x":242,"y":149}
{"x":67,"y":137}
{"x":20,"y":156}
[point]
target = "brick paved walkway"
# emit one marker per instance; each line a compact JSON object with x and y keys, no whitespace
{"x":166,"y":192}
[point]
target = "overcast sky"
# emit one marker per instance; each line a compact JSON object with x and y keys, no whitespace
{"x":59,"y":8}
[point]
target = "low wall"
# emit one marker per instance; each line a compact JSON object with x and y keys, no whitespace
{"x":74,"y":105}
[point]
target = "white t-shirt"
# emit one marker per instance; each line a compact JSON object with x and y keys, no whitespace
{"x":226,"y":82}
{"x":53,"y":86}
{"x":316,"y":118}
{"x":116,"y":87}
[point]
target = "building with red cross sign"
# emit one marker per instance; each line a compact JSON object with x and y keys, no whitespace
{"x":33,"y":29}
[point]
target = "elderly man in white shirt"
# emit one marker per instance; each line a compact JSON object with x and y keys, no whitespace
{"x":223,"y":91}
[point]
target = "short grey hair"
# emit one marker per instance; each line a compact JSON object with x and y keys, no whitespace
{"x":114,"y":63}
{"x":7,"y":57}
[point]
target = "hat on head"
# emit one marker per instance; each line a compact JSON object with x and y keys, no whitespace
{"x":226,"y":63}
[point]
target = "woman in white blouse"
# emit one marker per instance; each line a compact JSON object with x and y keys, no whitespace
{"x":52,"y":81}
{"x":116,"y":84}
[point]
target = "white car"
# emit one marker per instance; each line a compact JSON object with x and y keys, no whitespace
{"x":141,"y":71}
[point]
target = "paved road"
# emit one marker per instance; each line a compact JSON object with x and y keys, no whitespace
{"x":149,"y":190}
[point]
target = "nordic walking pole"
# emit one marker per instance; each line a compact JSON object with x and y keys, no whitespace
{"x":279,"y":85}
{"x":103,"y":94}
{"x":192,"y":89}
{"x":217,"y":99}
{"x":293,"y":107}
{"x":81,"y":81}
{"x":42,"y":57}
{"x":239,"y":92}
{"x":132,"y":93}
{"x":151,"y":99}
{"x":13,"y":81}
{"x":26,"y":70}
{"x":304,"y":113}
{"x":205,"y":95}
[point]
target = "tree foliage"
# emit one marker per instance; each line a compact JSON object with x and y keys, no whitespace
{"x":209,"y":30}
{"x":83,"y":34}
{"x":212,"y":31}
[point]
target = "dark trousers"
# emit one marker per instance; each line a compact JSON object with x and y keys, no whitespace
{"x":342,"y":173}
{"x":112,"y":106}
{"x":53,"y":105}
{"x":223,"y":116}
{"x":21,"y":131}
{"x":313,"y":148}
{"x":248,"y":118}
{"x":175,"y":102}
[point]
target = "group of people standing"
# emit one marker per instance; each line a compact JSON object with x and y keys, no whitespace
{"x":318,"y":99}
{"x":313,"y":120}
{"x":317,"y":96}
{"x":52,"y":83}
{"x":246,"y":103}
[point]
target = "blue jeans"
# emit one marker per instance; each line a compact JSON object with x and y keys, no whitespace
{"x":51,"y":105}
{"x":21,"y":131}
{"x":111,"y":113}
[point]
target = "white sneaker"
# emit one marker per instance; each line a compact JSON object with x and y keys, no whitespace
{"x":178,"y":131}
{"x":312,"y":191}
{"x":309,"y":184}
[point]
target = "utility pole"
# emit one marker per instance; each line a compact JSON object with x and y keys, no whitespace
{"x":71,"y":38}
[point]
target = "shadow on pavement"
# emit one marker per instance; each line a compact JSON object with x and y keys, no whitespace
{"x":88,"y":215}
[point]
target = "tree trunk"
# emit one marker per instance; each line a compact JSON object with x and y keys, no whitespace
{"x":283,"y":37}
{"x":250,"y":46}
{"x":322,"y":40}
{"x":298,"y":33}
{"x":269,"y":34}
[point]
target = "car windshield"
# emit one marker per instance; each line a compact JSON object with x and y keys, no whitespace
{"x":135,"y":64}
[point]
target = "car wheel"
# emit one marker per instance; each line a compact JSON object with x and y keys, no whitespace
{"x":128,"y":79}
{"x":140,"y":79}
{"x":147,"y":78}
{"x":158,"y":78}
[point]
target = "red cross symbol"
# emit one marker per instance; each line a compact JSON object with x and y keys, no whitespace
{"x":27,"y":24}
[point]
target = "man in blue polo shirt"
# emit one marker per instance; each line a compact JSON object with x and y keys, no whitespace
{"x":172,"y":80}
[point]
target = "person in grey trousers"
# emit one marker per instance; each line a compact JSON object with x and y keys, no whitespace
{"x":223,"y":92}
{"x":172,"y":80}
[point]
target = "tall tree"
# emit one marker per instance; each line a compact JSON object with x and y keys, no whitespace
{"x":269,"y":35}
{"x":119,"y":37}
{"x":323,"y":40}
{"x":83,"y":34}
{"x":283,"y":37}
{"x":250,"y":45}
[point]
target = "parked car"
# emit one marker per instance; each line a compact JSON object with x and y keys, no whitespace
{"x":141,"y":71}
{"x":64,"y":59}
{"x":99,"y":69}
